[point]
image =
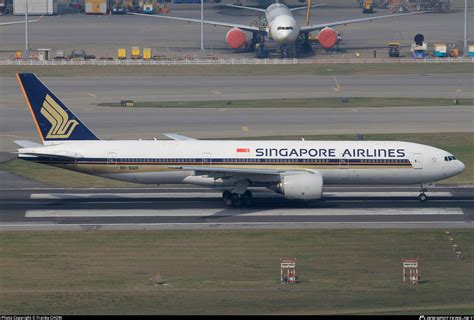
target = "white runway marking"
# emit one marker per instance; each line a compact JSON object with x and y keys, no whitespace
{"x":240,"y":213}
{"x":52,"y":196}
{"x":236,"y":225}
{"x":209,"y":195}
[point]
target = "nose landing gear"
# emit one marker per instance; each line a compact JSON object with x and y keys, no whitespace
{"x":422,"y":197}
{"x":288,"y":51}
{"x":424,"y":188}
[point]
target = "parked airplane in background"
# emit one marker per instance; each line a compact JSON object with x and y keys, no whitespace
{"x":282,"y":27}
{"x":296,"y":169}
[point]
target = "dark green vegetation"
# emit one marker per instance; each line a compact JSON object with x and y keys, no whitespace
{"x":460,"y":144}
{"x":299,"y":103}
{"x":233,"y":271}
{"x":208,"y":70}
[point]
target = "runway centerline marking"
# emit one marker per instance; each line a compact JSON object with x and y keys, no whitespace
{"x":290,"y":212}
{"x":213,"y":195}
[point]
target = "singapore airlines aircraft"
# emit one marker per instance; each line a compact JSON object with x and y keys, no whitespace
{"x":281,"y":27}
{"x":296,"y":169}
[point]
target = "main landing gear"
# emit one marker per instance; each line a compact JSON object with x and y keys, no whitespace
{"x":233,"y":199}
{"x":423,"y":196}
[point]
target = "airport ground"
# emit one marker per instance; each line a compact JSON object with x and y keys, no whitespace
{"x":94,"y":246}
{"x":234,"y":272}
{"x":104,"y":35}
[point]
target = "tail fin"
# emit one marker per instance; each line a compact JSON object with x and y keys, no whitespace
{"x":53,"y":119}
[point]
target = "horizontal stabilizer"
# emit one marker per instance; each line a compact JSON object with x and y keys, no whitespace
{"x":44,"y":152}
{"x":27,"y":144}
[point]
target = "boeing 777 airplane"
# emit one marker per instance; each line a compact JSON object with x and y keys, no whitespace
{"x":295,"y":169}
{"x":282,"y":27}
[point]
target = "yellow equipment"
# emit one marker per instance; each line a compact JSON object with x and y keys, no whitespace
{"x":368,"y":6}
{"x":147,"y":54}
{"x":136,"y":53}
{"x":95,"y":7}
{"x":122,"y":54}
{"x":308,"y":13}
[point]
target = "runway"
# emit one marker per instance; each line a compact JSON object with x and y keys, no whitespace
{"x":198,"y":208}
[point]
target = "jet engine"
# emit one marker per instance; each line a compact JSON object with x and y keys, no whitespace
{"x":304,"y":186}
{"x":235,"y":38}
{"x":327,"y":38}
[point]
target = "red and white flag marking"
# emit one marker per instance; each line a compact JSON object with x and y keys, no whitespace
{"x":243,"y":150}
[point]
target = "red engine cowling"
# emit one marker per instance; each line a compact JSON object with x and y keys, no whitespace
{"x":327,"y":38}
{"x":235,"y":38}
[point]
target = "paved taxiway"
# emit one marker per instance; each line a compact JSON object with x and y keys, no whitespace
{"x":83,"y":94}
{"x":167,"y":207}
{"x":92,"y":90}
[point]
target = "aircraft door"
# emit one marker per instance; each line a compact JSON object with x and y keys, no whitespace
{"x":111,"y":159}
{"x":206,"y":159}
{"x":417,"y":161}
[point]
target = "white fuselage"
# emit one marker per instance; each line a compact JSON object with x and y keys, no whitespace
{"x":282,"y":26}
{"x":339,"y":162}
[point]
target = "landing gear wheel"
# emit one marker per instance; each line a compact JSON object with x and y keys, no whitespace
{"x":236,"y":200}
{"x":227,"y":196}
{"x":246,"y":198}
{"x":422,"y":197}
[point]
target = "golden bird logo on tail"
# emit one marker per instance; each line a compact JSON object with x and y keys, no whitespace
{"x":61,"y":126}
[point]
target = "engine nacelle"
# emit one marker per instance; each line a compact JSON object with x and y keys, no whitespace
{"x":235,"y":38}
{"x":304,"y":186}
{"x":327,"y":38}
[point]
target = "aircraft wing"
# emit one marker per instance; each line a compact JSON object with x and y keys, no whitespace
{"x":236,"y":174}
{"x":306,"y":7}
{"x":214,"y":23}
{"x":228,"y":171}
{"x":344,"y":22}
{"x":175,"y":136}
{"x":244,"y":7}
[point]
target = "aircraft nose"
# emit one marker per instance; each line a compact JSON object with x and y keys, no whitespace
{"x":460,"y":166}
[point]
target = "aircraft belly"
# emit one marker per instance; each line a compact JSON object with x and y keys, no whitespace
{"x":371,"y":176}
{"x":168,"y":177}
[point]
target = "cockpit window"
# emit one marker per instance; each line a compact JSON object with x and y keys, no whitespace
{"x":284,"y":28}
{"x":449,"y":158}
